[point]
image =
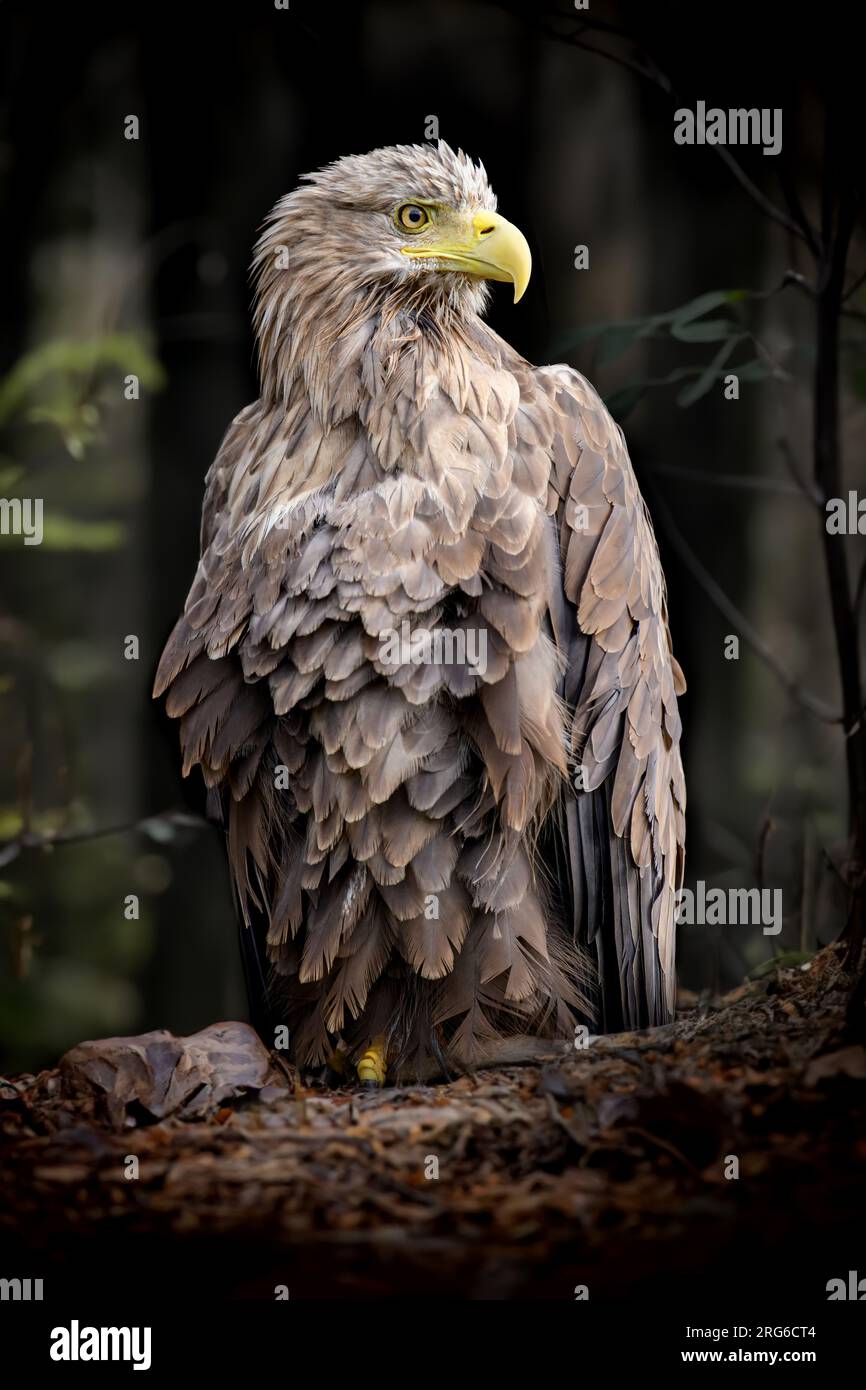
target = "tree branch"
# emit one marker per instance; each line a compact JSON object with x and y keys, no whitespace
{"x":48,"y":840}
{"x":650,"y":71}
{"x":742,"y":481}
{"x":804,"y":698}
{"x":852,"y":289}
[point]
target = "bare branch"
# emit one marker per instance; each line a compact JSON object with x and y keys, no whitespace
{"x":808,"y":489}
{"x":764,"y":203}
{"x":792,"y":198}
{"x":807,"y":701}
{"x":48,"y":840}
{"x":649,"y":70}
{"x":742,"y":481}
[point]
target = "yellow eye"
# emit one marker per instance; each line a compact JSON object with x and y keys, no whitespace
{"x":411,"y":218}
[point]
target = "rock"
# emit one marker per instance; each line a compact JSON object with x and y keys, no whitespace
{"x":143,"y":1079}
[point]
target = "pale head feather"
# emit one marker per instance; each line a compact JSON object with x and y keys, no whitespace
{"x":328,"y":265}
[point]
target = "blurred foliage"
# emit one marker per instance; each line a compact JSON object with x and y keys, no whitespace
{"x":74,"y":976}
{"x":66,"y":372}
{"x":70,"y":533}
{"x":122,"y":485}
{"x":729,"y":332}
{"x":67,"y":971}
{"x":686,"y":324}
{"x":70,"y":387}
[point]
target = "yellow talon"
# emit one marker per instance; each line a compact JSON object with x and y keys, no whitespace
{"x":374,"y":1063}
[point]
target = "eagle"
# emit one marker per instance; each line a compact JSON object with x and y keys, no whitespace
{"x":425,"y":666}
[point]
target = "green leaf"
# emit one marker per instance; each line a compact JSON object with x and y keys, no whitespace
{"x":69,"y":533}
{"x":711,"y":373}
{"x":64,"y":359}
{"x":756,"y":370}
{"x":66,"y":533}
{"x":710,"y":331}
{"x":624,"y":332}
{"x":9,"y":478}
{"x":696,"y":308}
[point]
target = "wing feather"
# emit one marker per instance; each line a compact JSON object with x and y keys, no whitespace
{"x":623,"y":835}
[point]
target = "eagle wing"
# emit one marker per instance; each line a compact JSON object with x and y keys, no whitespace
{"x":619,"y":841}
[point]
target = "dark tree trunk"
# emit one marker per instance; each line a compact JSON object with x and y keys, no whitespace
{"x":839,"y":206}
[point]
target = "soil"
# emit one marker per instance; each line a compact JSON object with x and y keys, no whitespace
{"x":721,"y":1153}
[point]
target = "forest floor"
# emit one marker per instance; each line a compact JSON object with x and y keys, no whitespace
{"x":723,"y":1152}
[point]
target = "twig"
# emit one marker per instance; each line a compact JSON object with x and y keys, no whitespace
{"x":743,"y":481}
{"x":717,"y":595}
{"x":650,"y":71}
{"x":852,"y":289}
{"x":792,"y":198}
{"x":799,"y":282}
{"x":808,"y":489}
{"x":47,"y":840}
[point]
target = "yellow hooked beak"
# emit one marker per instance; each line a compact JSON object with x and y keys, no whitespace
{"x":483,"y":244}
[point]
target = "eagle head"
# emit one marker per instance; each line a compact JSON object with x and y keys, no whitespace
{"x":410,"y":233}
{"x":411,"y":223}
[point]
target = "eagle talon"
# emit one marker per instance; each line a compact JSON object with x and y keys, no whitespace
{"x":373,"y":1065}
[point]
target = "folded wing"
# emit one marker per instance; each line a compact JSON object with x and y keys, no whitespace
{"x":620,"y":840}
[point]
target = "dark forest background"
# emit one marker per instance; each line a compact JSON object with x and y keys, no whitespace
{"x":130,"y":256}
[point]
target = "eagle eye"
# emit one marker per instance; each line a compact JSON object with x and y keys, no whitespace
{"x":411,"y":217}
